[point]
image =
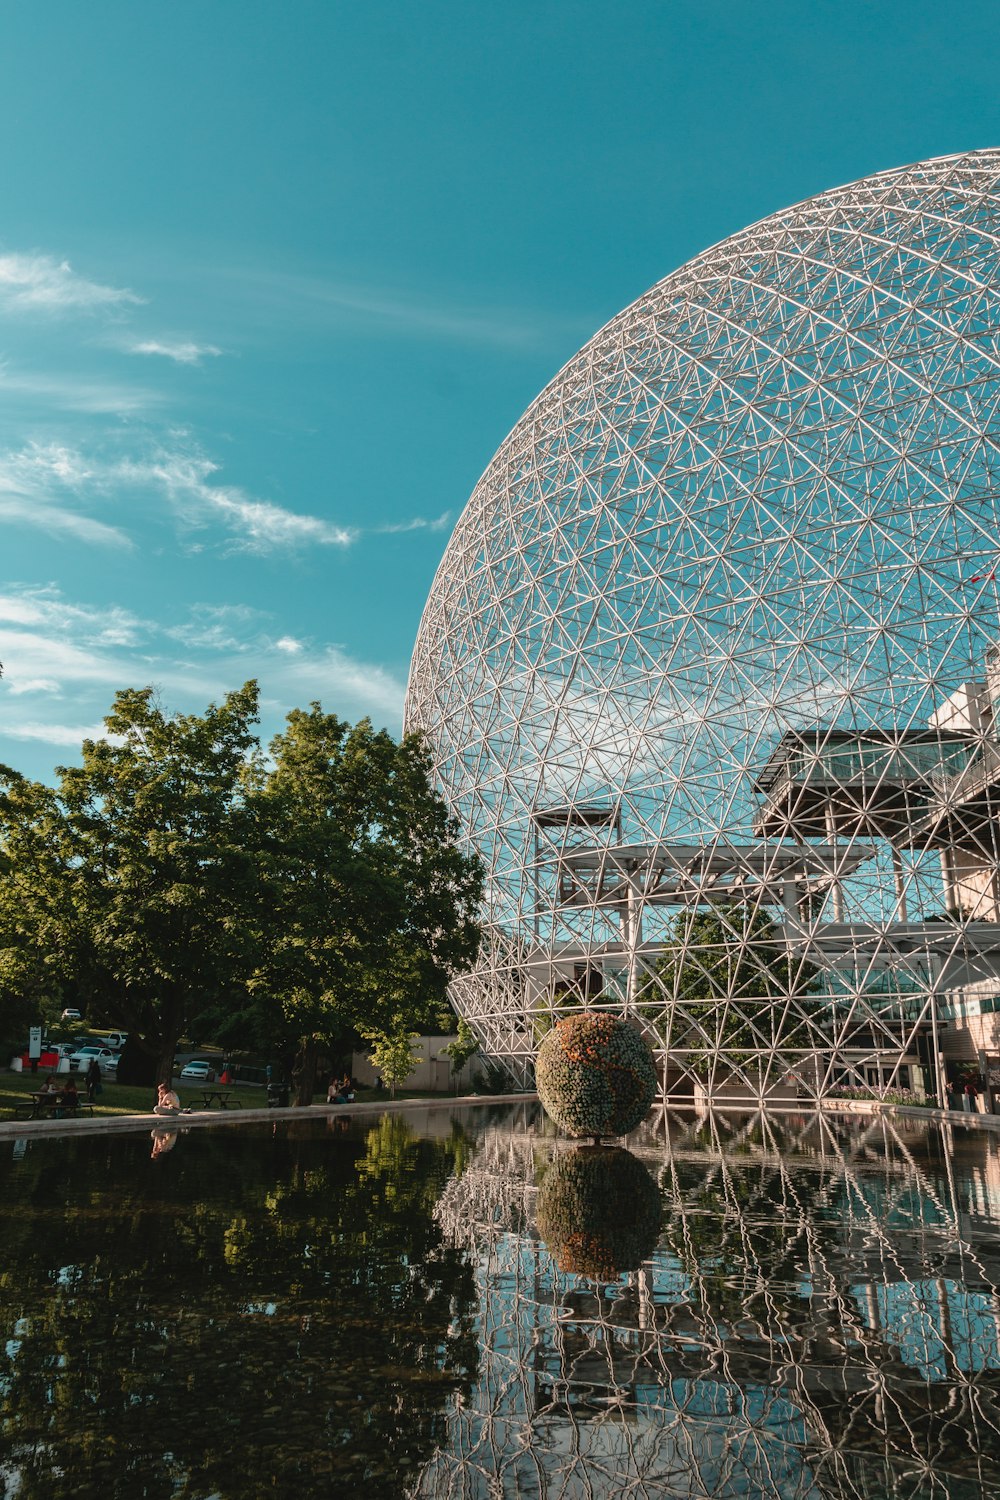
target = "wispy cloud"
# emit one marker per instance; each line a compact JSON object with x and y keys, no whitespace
{"x":255,"y":525}
{"x":76,"y":393}
{"x":29,"y":479}
{"x":418,"y":523}
{"x":181,"y":351}
{"x":55,"y":734}
{"x":55,"y":650}
{"x":47,"y":486}
{"x":36,"y":282}
{"x":406,"y":312}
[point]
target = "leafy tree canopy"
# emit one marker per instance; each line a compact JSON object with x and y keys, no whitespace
{"x":186,"y":887}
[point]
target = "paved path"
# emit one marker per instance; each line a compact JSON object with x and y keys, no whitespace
{"x":203,"y":1118}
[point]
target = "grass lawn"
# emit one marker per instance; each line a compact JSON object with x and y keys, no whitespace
{"x":121,"y":1099}
{"x":115,"y":1099}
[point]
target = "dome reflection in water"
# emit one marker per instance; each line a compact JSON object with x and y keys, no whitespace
{"x":272,"y":1313}
{"x":819,"y":1320}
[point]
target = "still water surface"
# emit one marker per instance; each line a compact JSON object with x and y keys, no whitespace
{"x":455,"y":1305}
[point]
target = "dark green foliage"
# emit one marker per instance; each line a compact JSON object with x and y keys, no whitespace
{"x":371,"y":905}
{"x":493,"y":1078}
{"x":180,"y":888}
{"x":136,"y":876}
{"x":598,"y":1212}
{"x":253,"y":1314}
{"x":728,"y":979}
{"x":595,"y":1075}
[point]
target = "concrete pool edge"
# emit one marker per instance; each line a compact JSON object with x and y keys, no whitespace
{"x":201,"y":1119}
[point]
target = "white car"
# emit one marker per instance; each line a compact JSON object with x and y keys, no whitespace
{"x":80,"y":1061}
{"x":199,"y":1070}
{"x":71,"y":1015}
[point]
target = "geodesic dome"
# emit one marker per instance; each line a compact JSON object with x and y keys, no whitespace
{"x":706,"y":668}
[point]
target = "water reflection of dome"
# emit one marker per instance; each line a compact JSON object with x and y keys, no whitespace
{"x":800,"y":1330}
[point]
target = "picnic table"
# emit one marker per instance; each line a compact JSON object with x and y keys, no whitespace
{"x":220,"y":1099}
{"x":45,"y":1102}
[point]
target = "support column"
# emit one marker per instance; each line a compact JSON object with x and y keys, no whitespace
{"x":633,"y":940}
{"x":835,"y":887}
{"x":897,"y":871}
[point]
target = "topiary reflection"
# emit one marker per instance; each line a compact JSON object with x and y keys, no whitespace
{"x":598,"y":1212}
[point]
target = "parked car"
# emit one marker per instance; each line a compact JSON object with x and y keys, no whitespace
{"x":116,"y":1039}
{"x":199,"y":1071}
{"x":80,"y":1061}
{"x":61,"y":1049}
{"x":71,"y":1015}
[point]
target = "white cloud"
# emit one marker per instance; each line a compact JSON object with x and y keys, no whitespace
{"x":34,"y":685}
{"x":258,"y":525}
{"x":45,"y":607}
{"x":56,"y":734}
{"x":29,"y":282}
{"x":404,"y":312}
{"x":82,"y":394}
{"x":31,"y":477}
{"x":419,"y":523}
{"x":57,"y":521}
{"x":181,"y":351}
{"x":52,"y":647}
{"x":28,"y":479}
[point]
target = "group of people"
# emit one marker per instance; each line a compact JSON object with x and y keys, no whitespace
{"x":69,"y":1094}
{"x":64,"y":1100}
{"x":340,"y":1090}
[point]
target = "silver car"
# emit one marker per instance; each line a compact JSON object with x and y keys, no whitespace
{"x":80,"y":1061}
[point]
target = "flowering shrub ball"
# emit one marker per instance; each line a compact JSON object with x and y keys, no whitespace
{"x":598,"y":1212}
{"x":595,"y":1075}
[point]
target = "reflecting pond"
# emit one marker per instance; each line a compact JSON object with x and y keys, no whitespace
{"x":457,"y":1304}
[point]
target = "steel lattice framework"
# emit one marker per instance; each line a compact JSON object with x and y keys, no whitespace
{"x":819,"y":1321}
{"x":707,"y":669}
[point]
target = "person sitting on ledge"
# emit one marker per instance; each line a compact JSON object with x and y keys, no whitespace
{"x":167,"y":1102}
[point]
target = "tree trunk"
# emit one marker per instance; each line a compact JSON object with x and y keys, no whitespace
{"x":305,"y":1077}
{"x":169,"y":1032}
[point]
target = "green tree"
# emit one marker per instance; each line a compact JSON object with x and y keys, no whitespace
{"x":393,"y":1056}
{"x":373,"y":907}
{"x":730,"y":985}
{"x":34,"y":964}
{"x":464,"y":1047}
{"x":139,"y":873}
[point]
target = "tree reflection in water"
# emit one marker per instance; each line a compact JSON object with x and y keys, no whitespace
{"x":819,"y":1320}
{"x":254,"y":1314}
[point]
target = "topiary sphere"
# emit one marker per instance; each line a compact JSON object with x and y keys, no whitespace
{"x":595,"y":1076}
{"x":598,"y":1212}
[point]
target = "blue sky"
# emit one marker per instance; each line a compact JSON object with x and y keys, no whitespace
{"x":275,"y":282}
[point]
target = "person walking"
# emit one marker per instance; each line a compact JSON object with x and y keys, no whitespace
{"x":93,"y":1080}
